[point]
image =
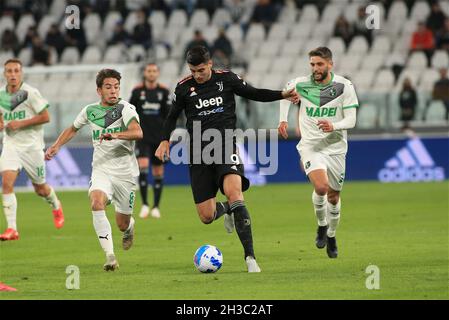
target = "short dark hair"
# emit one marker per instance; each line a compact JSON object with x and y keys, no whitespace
{"x":323,"y":52}
{"x":152,"y":64}
{"x":198,"y":55}
{"x":14,"y":60}
{"x":107,"y":73}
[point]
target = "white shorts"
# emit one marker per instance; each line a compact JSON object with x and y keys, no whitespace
{"x":32,"y":161}
{"x":120,"y":192}
{"x":335,"y":166}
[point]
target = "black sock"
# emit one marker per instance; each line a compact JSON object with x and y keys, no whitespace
{"x":158,"y":183}
{"x":243,"y":227}
{"x":143,"y":183}
{"x":222,"y":208}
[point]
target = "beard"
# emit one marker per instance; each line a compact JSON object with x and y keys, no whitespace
{"x":321,"y":76}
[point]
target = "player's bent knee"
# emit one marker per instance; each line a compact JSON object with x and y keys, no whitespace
{"x":97,"y":204}
{"x":322,"y":189}
{"x":41,"y":190}
{"x":333,"y":198}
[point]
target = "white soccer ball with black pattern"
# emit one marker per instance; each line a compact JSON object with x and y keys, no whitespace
{"x":208,"y":259}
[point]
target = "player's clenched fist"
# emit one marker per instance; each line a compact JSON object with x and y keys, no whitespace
{"x":163,"y":151}
{"x":282,"y":129}
{"x":51,"y":152}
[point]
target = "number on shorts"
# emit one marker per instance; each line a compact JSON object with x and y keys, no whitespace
{"x":40,"y":171}
{"x":132,"y":197}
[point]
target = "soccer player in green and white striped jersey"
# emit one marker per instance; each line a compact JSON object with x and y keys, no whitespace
{"x":115,"y":127}
{"x":328,"y":109}
{"x":23,"y":112}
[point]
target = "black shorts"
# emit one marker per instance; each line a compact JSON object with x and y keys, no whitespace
{"x":207,"y":179}
{"x":148,"y":150}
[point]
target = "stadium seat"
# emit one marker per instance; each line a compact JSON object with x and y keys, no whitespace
{"x":178,"y":19}
{"x":92,"y":27}
{"x":58,"y":8}
{"x":372,"y":62}
{"x":278,"y":32}
{"x":288,"y":15}
{"x":269,"y":49}
{"x":44,"y":25}
{"x":427,"y":80}
{"x":274,"y":81}
{"x":131,"y":22}
{"x":420,"y":11}
{"x":110,"y":21}
{"x":358,"y":46}
{"x":70,"y":56}
{"x":436,"y":112}
{"x":291,"y":48}
{"x":221,"y":18}
{"x":300,"y":31}
{"x":114,"y":54}
{"x":259,"y":65}
{"x":312,"y":44}
{"x":26,"y":56}
{"x":440,"y":59}
{"x":254,"y":79}
{"x":331,"y":12}
{"x":348,"y":64}
{"x":136,"y":53}
{"x":170,"y":67}
{"x":351,"y":10}
{"x":199,"y":19}
{"x":381,"y":45}
{"x":210,"y":33}
{"x":398,"y":11}
{"x":6,"y":22}
{"x":158,"y":19}
{"x":412,"y":74}
{"x":25,"y":22}
{"x":363,"y":80}
{"x":417,"y":61}
{"x":160,"y":52}
{"x":92,"y":55}
{"x":309,"y":14}
{"x":256,"y":33}
{"x":337,"y":45}
{"x":301,"y":67}
{"x":367,"y":116}
{"x":282,"y":65}
{"x":383,"y":81}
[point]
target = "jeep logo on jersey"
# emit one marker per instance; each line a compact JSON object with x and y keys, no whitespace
{"x":217,"y":101}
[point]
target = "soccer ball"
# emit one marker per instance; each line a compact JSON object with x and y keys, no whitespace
{"x":208,"y":259}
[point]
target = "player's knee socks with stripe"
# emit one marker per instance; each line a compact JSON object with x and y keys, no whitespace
{"x":103,"y":230}
{"x":10,"y":209}
{"x":221,"y":209}
{"x":242,"y":222}
{"x":143,"y":183}
{"x":320,"y":206}
{"x":158,"y":183}
{"x":334,"y":218}
{"x":52,"y":199}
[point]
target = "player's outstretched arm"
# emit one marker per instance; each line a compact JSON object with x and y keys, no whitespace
{"x":63,"y":138}
{"x":41,"y":118}
{"x":134,"y":132}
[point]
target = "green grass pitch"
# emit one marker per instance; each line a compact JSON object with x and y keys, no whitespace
{"x":400,"y":228}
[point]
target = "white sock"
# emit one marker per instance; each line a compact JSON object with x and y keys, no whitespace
{"x":131,"y":224}
{"x":334,"y":218}
{"x":104,"y":231}
{"x":52,"y":199}
{"x":10,"y":209}
{"x":319,"y":203}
